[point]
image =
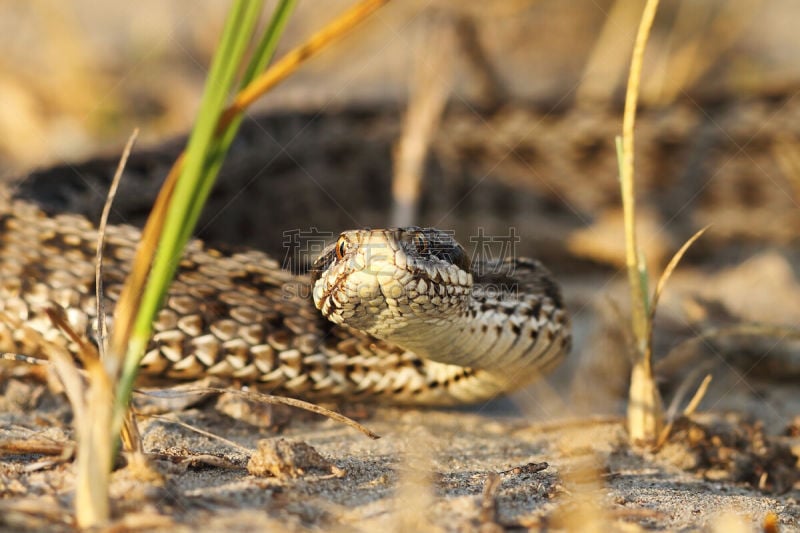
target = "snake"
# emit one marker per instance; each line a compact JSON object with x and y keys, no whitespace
{"x":402,"y":316}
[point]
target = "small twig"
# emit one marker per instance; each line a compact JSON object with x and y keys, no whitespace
{"x":7,"y":356}
{"x":20,"y":446}
{"x":530,"y":468}
{"x":199,"y":431}
{"x":270,"y":399}
{"x":101,"y":234}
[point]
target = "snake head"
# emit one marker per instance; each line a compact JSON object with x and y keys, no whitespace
{"x":389,"y":280}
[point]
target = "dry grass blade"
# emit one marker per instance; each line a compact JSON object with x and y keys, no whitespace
{"x":682,"y":391}
{"x":699,"y":394}
{"x":285,"y":66}
{"x":690,"y":408}
{"x":199,"y":431}
{"x":130,"y":434}
{"x":662,"y":282}
{"x":86,"y":351}
{"x":101,"y":234}
{"x":270,"y":399}
{"x":92,"y":400}
{"x":92,"y":408}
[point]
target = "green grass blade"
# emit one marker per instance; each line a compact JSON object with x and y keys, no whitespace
{"x":237,"y":33}
{"x":259,"y":61}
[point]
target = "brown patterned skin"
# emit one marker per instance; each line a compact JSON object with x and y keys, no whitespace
{"x":237,"y":316}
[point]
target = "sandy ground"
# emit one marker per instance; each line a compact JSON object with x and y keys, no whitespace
{"x":428,"y":471}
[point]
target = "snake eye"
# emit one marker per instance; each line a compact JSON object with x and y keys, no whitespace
{"x":341,"y":246}
{"x":420,"y":242}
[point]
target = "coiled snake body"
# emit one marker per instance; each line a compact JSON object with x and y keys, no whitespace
{"x":410,"y":318}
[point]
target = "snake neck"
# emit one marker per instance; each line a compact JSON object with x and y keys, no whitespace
{"x":512,"y":322}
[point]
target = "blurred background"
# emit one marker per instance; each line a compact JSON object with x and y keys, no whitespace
{"x":77,"y":76}
{"x":487,"y":115}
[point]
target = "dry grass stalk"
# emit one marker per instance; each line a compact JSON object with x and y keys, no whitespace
{"x":95,"y":449}
{"x":101,"y":326}
{"x":645,"y":410}
{"x":91,"y":402}
{"x":130,"y":434}
{"x":431,"y":86}
{"x":92,"y":399}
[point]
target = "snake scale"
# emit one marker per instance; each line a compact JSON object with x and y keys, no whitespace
{"x":410,"y":319}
